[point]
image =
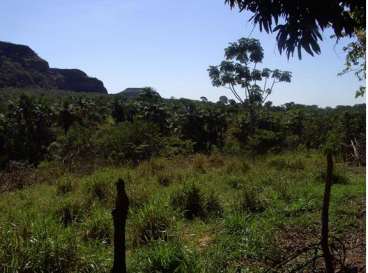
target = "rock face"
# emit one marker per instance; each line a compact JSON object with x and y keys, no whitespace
{"x":77,"y":80}
{"x":20,"y":66}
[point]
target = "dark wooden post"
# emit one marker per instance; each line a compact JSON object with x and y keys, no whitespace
{"x":119,"y":215}
{"x":326,"y":204}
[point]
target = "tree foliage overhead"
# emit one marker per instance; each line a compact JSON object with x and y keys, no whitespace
{"x":356,"y":51}
{"x":240,"y":69}
{"x":299,"y":23}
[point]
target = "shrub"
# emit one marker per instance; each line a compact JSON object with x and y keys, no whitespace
{"x":26,"y":130}
{"x":74,"y":148}
{"x":69,"y":211}
{"x":128,"y":142}
{"x":164,"y":178}
{"x":213,"y":206}
{"x":263,"y":141}
{"x":97,"y":189}
{"x":152,"y":222}
{"x":250,"y":200}
{"x":190,"y":201}
{"x":64,"y":186}
{"x":98,"y":226}
{"x":283,"y":188}
{"x":173,"y":146}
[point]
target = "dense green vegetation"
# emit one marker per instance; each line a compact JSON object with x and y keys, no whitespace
{"x":208,"y":193}
{"x":82,"y":130}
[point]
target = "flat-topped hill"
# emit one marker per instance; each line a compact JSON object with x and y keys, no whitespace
{"x":20,"y":66}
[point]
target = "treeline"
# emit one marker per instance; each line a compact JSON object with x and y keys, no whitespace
{"x":84,"y":129}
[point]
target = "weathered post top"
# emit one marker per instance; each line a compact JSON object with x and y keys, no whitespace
{"x":122,"y":201}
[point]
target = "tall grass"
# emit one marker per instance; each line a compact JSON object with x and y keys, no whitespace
{"x":203,"y":214}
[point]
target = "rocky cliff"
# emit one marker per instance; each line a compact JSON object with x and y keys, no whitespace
{"x":20,"y":66}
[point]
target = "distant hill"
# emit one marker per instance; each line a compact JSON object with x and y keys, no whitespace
{"x":21,"y":67}
{"x":132,"y":93}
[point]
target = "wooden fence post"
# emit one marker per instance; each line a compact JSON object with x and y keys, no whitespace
{"x":119,"y":215}
{"x":329,"y":263}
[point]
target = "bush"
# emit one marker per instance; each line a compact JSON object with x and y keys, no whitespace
{"x":26,"y":130}
{"x":152,"y":222}
{"x":173,"y":146}
{"x":98,"y":226}
{"x":190,"y":201}
{"x":98,"y":189}
{"x":64,"y":186}
{"x":75,"y":149}
{"x":164,"y":257}
{"x":164,"y":178}
{"x":250,"y":200}
{"x":69,"y":211}
{"x":128,"y":142}
{"x":264,"y":141}
{"x":284,"y":189}
{"x":213,"y":206}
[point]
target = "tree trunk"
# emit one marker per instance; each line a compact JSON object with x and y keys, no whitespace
{"x":119,"y":214}
{"x":329,"y":263}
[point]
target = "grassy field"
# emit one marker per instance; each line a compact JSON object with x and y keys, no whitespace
{"x":188,"y":214}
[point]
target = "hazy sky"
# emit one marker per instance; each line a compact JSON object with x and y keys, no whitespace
{"x":164,"y":44}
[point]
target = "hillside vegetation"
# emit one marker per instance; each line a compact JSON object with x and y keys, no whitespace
{"x":208,"y":192}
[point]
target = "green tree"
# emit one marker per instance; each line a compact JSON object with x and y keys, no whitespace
{"x":66,"y":117}
{"x":149,"y":94}
{"x":27,"y":130}
{"x":239,"y":69}
{"x":239,"y":72}
{"x":223,"y":100}
{"x":355,"y":60}
{"x":299,"y":24}
{"x":204,"y":99}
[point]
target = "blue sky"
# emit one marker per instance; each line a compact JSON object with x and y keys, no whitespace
{"x":165,"y":44}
